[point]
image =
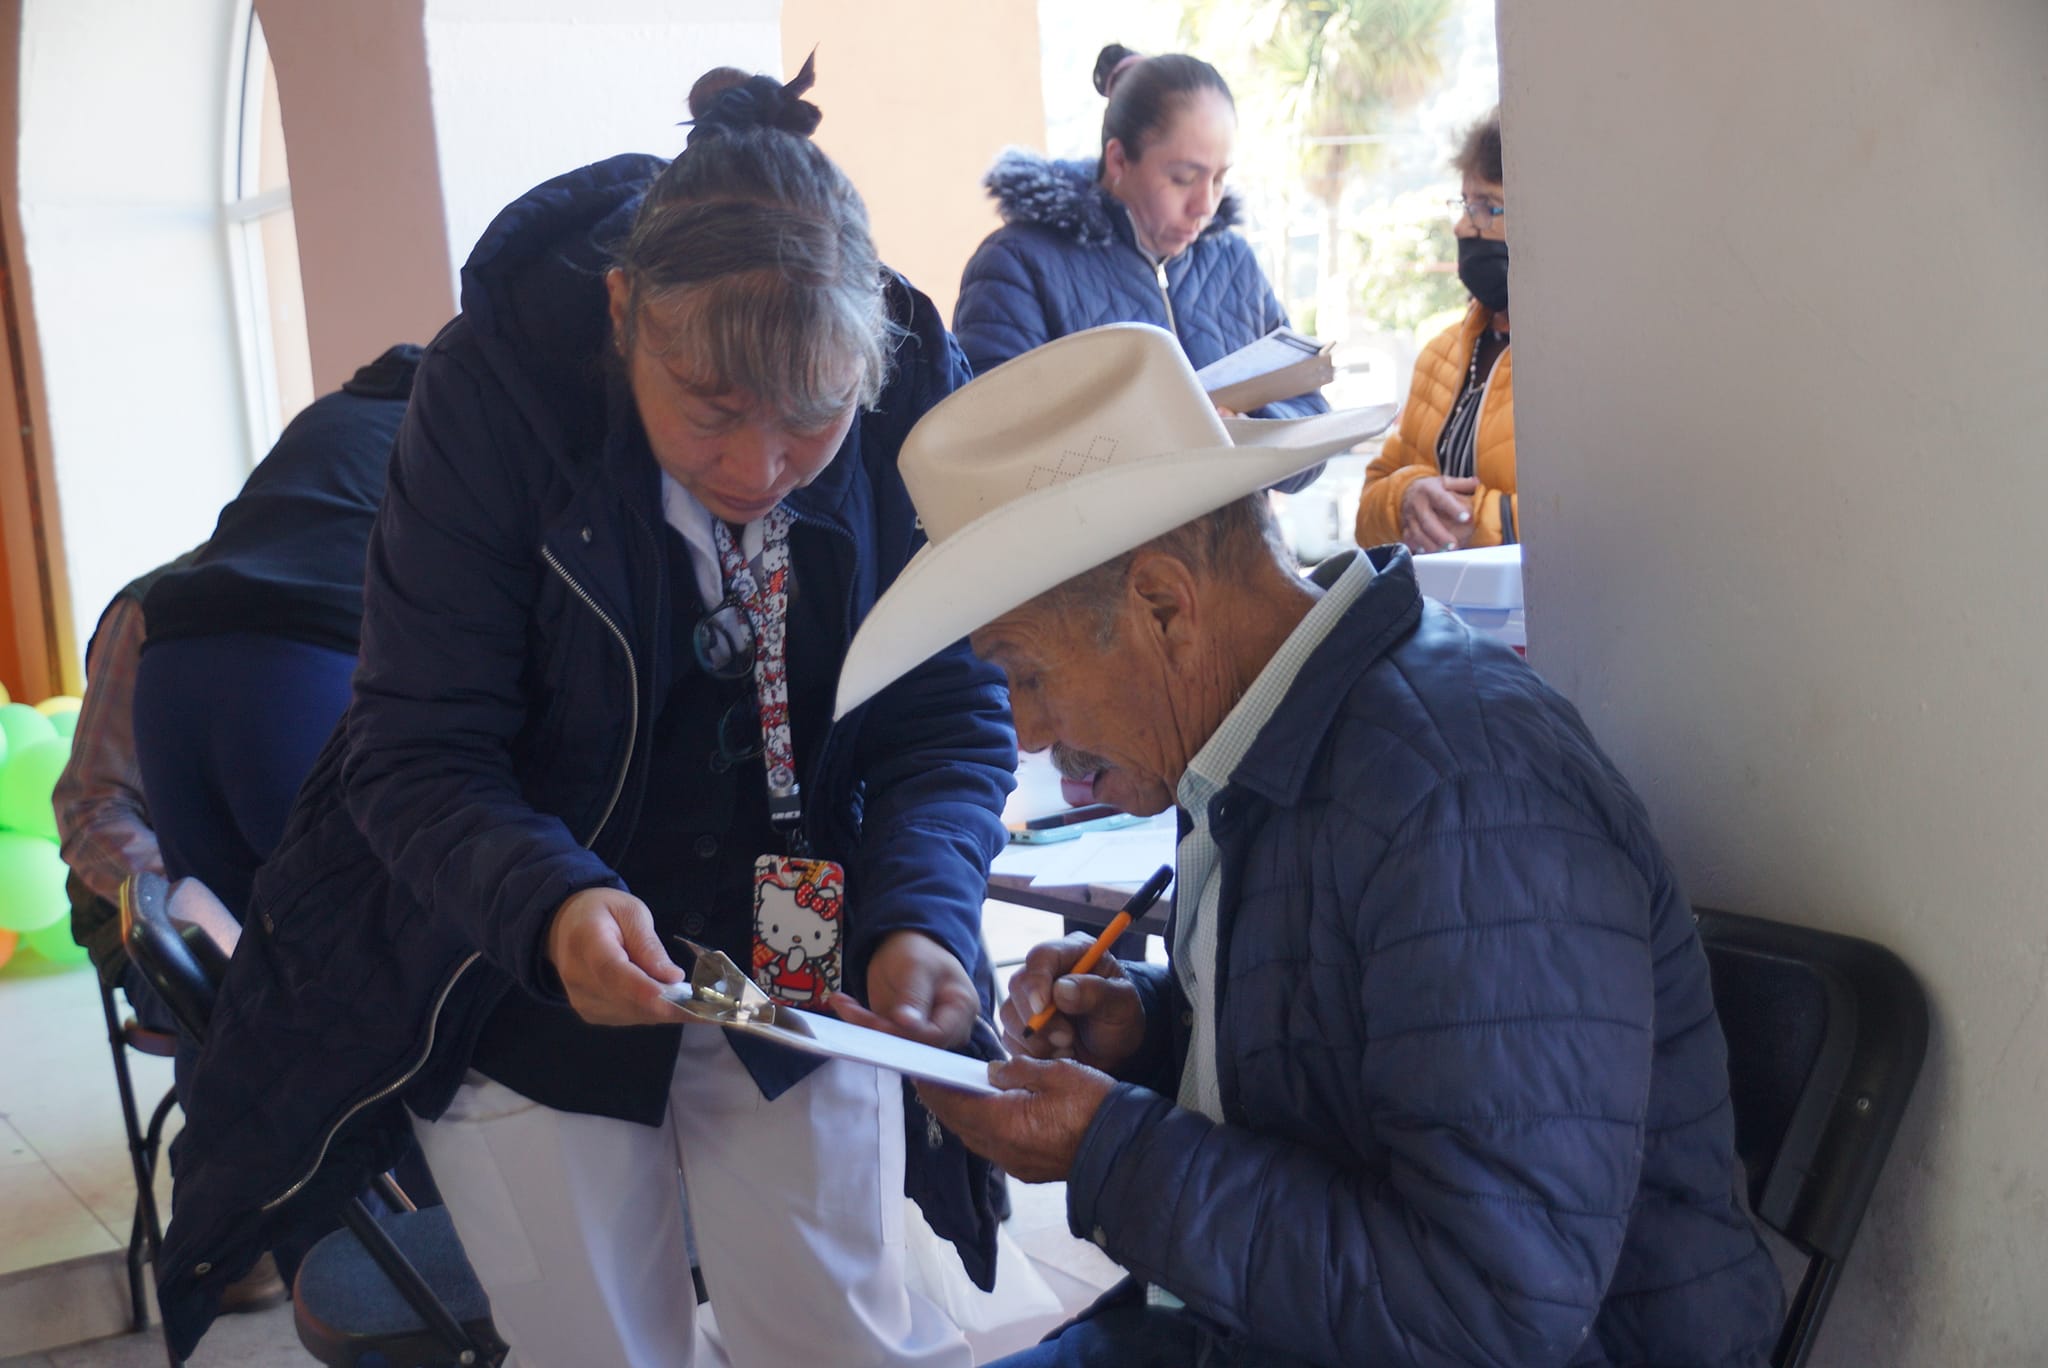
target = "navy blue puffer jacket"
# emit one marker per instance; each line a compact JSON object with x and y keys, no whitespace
{"x":1475,"y":1093}
{"x":1066,"y":259}
{"x":496,"y":752}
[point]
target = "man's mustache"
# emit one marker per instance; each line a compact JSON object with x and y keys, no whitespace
{"x":1076,"y":764}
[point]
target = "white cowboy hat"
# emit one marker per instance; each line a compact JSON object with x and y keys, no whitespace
{"x":1055,"y":462}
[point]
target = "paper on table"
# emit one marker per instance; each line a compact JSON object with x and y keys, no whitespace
{"x":1042,"y":863}
{"x":1101,"y":857}
{"x":816,"y":1033}
{"x":1122,"y":857}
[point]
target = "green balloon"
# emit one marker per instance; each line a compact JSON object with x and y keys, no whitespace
{"x":23,"y":725}
{"x":54,"y":943}
{"x":26,"y":783}
{"x":64,"y":723}
{"x":31,"y":883}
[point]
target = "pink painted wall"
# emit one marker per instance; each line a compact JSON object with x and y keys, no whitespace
{"x":366,"y":177}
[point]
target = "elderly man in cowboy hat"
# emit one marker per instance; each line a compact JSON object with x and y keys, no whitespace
{"x":1435,"y":1075}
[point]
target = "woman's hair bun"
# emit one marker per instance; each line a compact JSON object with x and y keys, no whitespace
{"x":1111,"y":63}
{"x":711,"y":85}
{"x":727,"y":98}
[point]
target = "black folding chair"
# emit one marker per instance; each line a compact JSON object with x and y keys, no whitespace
{"x":145,"y":1143}
{"x":358,"y":1301}
{"x":1825,"y":1038}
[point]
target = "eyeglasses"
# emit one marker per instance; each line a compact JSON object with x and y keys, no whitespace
{"x":739,"y":735}
{"x":723,"y":641}
{"x":1485,"y":213}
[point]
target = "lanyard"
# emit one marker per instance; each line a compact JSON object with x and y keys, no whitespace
{"x":766,"y":603}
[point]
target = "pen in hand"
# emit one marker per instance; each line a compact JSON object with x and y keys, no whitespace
{"x":1139,"y":904}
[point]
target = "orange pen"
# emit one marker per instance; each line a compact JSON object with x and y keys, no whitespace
{"x":1140,"y":903}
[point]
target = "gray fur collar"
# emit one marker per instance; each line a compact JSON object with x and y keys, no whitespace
{"x":1064,"y":196}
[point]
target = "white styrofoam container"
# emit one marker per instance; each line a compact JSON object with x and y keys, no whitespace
{"x":1483,"y":586}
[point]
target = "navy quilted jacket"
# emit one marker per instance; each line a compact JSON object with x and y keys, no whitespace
{"x":1475,"y":1092}
{"x":1066,"y":259}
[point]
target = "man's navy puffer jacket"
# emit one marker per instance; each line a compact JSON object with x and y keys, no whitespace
{"x":1475,"y":1092}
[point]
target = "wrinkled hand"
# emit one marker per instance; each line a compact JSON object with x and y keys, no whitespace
{"x":1436,"y":513}
{"x":603,"y":944}
{"x":1098,"y":1019}
{"x":917,"y":990}
{"x":1034,"y":1128}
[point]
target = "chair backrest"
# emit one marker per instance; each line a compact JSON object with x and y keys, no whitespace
{"x":181,"y":961}
{"x":1826,"y":1034}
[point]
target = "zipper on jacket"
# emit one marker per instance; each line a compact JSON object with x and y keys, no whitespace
{"x":632,"y":672}
{"x":441,"y":999}
{"x":426,"y":1051}
{"x":1159,"y":267}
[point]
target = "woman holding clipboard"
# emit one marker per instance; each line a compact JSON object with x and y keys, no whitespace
{"x":644,"y":492}
{"x":1143,"y":234}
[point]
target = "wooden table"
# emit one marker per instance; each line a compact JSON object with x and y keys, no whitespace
{"x":1086,"y":907}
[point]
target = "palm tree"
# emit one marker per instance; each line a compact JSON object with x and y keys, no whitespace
{"x":1336,"y":69}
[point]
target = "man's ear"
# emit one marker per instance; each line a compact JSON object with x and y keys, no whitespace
{"x":1165,"y":591}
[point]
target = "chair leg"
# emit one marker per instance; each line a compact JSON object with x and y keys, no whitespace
{"x":1802,"y":1322}
{"x":392,"y":1261}
{"x":140,"y":1162}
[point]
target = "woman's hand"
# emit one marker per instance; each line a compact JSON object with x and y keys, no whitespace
{"x":1097,"y":1018}
{"x":1436,"y":513}
{"x":918,"y":991}
{"x":603,"y":944}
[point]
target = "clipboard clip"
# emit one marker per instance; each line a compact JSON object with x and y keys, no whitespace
{"x":718,"y":992}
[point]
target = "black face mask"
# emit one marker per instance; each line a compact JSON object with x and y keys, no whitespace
{"x":1483,"y":268}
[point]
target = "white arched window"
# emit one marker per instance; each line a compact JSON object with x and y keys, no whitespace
{"x":263,"y":246}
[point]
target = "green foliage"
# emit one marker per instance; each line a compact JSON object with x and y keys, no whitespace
{"x":1334,"y":68}
{"x":1408,"y":272}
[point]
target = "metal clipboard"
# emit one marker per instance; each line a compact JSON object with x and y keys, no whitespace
{"x":719,"y":994}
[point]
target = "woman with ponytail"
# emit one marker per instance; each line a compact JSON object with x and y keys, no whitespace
{"x":1142,"y":234}
{"x":646,"y":489}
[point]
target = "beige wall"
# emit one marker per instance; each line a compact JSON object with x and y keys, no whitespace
{"x":919,"y":96}
{"x":366,"y":180}
{"x":1782,"y":414}
{"x":33,"y":600}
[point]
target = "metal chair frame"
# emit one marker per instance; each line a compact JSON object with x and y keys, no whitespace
{"x":1810,"y":1179}
{"x":185,"y":967}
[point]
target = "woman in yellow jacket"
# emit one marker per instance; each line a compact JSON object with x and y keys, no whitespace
{"x":1446,"y":478}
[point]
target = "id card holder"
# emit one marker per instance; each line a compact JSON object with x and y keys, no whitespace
{"x":799,"y":928}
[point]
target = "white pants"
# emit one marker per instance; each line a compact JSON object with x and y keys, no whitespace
{"x":574,"y":1227}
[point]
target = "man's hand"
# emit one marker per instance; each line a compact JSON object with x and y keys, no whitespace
{"x":1033,"y":1130}
{"x":1436,"y":513}
{"x":918,"y":991}
{"x":1098,"y":1019}
{"x":603,"y":944}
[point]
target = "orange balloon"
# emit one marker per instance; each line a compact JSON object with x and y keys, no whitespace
{"x":8,"y":940}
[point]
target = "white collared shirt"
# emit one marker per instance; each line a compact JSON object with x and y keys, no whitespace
{"x":682,"y":511}
{"x":1198,"y":887}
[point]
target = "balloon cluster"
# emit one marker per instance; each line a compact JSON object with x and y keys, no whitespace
{"x":35,"y":744}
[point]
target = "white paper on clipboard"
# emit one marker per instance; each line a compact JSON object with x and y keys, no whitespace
{"x":818,"y":1034}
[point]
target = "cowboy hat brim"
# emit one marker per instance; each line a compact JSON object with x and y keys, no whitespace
{"x":1017,"y":551}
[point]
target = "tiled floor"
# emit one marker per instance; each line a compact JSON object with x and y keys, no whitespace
{"x":66,"y":1197}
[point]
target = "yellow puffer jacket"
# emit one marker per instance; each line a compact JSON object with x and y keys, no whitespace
{"x":1410,"y":453}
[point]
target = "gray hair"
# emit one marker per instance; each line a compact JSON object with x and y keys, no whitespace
{"x":1225,"y":544}
{"x":756,"y":249}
